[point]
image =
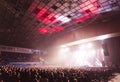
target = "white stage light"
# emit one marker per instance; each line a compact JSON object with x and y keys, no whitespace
{"x":82,"y":46}
{"x":62,"y":50}
{"x":93,"y":52}
{"x":63,"y":46}
{"x":102,"y":37}
{"x":62,"y":18}
{"x":84,"y":55}
{"x":89,"y":45}
{"x":65,"y":49}
{"x":83,"y":52}
{"x":98,"y":63}
{"x":102,"y":50}
{"x":102,"y":53}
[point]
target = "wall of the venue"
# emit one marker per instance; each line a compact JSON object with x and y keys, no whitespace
{"x":19,"y":57}
{"x":112,"y":50}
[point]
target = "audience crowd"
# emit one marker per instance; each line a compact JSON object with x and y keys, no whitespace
{"x":56,"y":74}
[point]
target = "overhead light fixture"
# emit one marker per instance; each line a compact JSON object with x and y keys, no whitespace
{"x":63,"y":18}
{"x":43,"y":30}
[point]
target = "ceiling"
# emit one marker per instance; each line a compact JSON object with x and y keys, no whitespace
{"x":31,"y":23}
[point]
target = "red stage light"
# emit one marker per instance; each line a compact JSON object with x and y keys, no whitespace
{"x":44,"y":30}
{"x":57,"y":29}
{"x":88,"y":6}
{"x":46,"y":16}
{"x":50,"y":18}
{"x":41,"y":12}
{"x":81,"y":19}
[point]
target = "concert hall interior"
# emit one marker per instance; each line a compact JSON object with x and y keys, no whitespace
{"x":59,"y":40}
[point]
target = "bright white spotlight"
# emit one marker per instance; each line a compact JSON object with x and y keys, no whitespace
{"x":63,"y":46}
{"x":102,"y":53}
{"x":62,"y":18}
{"x":103,"y":37}
{"x":89,"y":45}
{"x":65,"y":49}
{"x":83,"y":52}
{"x":102,"y":50}
{"x":82,"y":46}
{"x":98,"y":63}
{"x":61,"y":50}
{"x":93,"y":52}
